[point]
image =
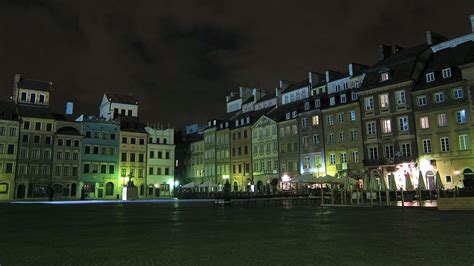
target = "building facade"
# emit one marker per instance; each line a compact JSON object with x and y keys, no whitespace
{"x":9,"y":128}
{"x":160,"y":161}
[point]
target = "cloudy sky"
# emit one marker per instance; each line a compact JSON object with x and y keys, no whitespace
{"x":181,"y":58}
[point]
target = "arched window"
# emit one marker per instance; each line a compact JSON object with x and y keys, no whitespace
{"x":109,"y":189}
{"x":20,"y":192}
{"x":150,"y":191}
{"x":73,"y":189}
{"x":430,"y":180}
{"x":468,"y":177}
{"x":236,"y":186}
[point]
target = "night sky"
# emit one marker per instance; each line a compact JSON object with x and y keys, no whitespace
{"x":181,"y":58}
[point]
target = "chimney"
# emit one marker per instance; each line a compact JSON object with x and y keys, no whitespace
{"x":385,"y":51}
{"x":69,"y":108}
{"x":433,"y":38}
{"x":472,"y":22}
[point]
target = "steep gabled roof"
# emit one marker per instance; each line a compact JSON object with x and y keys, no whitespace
{"x":279,"y":114}
{"x":296,"y":85}
{"x":25,"y":83}
{"x":121,"y":98}
{"x":68,"y":131}
{"x":35,"y":111}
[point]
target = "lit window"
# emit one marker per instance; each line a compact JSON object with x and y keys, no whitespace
{"x":384,"y":76}
{"x":383,"y":100}
{"x":315,"y":120}
{"x":386,"y":126}
{"x":425,"y":123}
{"x":430,"y":77}
{"x":463,"y":142}
{"x":422,"y":101}
{"x":352,"y":115}
{"x":446,"y":72}
{"x":343,"y":157}
{"x":461,"y":117}
{"x":442,"y":120}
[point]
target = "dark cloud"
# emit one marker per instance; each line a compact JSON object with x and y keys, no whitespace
{"x":180,"y":58}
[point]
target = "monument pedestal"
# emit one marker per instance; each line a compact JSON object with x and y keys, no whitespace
{"x":129,"y":193}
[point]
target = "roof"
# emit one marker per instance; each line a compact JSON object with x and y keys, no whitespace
{"x":253,"y":116}
{"x":280,"y":113}
{"x":400,"y":67}
{"x":68,"y":131}
{"x":131,"y":124}
{"x":8,"y":110}
{"x":121,"y":98}
{"x":34,"y":84}
{"x":249,"y":100}
{"x":266,"y":97}
{"x":296,"y":85}
{"x":447,"y":58}
{"x":35,"y":111}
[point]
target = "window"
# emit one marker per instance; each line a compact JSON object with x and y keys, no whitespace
{"x":25,"y":138}
{"x":386,"y":126}
{"x":371,"y":128}
{"x":343,"y":98}
{"x":306,"y":106}
{"x":369,"y":103}
{"x":463,"y":142}
{"x":132,"y":157}
{"x":305,"y":141}
{"x":403,"y":123}
{"x":430,"y":77}
{"x":150,"y":171}
{"x":444,"y":144}
{"x":32,"y":97}
{"x":315,"y":120}
{"x":458,"y":93}
{"x":141,"y":157}
{"x":88,"y":134}
{"x":343,"y":157}
{"x":26,"y":125}
{"x":355,"y":156}
{"x":427,"y":146}
{"x":23,"y":153}
{"x":352,"y":115}
{"x":400,"y":97}
{"x":47,"y":140}
{"x":439,"y":97}
{"x":424,"y":122}
{"x":95,"y":149}
{"x":384,"y":76}
{"x":124,"y":157}
{"x":340,"y":117}
{"x":331,"y":138}
{"x":373,"y":153}
{"x":96,"y":135}
{"x":442,"y":120}
{"x":383,"y":100}
{"x":38,"y":126}
{"x":95,"y":168}
{"x":354,"y":96}
{"x":449,"y":179}
{"x":461,"y":117}
{"x":23,"y":96}
{"x":342,"y":136}
{"x":332,"y":101}
{"x":133,"y":141}
{"x":389,"y":151}
{"x":446,"y":72}
{"x":332,"y":158}
{"x":76,"y":143}
{"x":124,"y":140}
{"x":103,"y":168}
{"x":36,"y":139}
{"x":330,"y":120}
{"x":13,"y":132}
{"x":2,"y":131}
{"x":316,"y":139}
{"x":11,"y":149}
{"x":421,"y":100}
{"x":406,"y":149}
{"x":68,"y":143}
{"x":353,"y":135}
{"x":317,"y":102}
{"x":304,"y":122}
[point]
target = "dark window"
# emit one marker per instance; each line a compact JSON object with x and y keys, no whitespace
{"x":141,"y":157}
{"x":160,"y":155}
{"x":240,"y":168}
{"x":240,"y":150}
{"x":86,"y":168}
{"x":9,"y":168}
{"x":73,"y":190}
{"x":167,"y":171}
{"x":33,"y":98}
{"x":96,"y":150}
{"x":103,"y":169}
{"x":109,"y":189}
{"x":11,"y":149}
{"x":245,"y":134}
{"x":122,"y":112}
{"x":129,"y":112}
{"x":23,"y":96}
{"x":41,"y":100}
{"x":133,"y":140}
{"x":239,"y":135}
{"x":88,"y":134}
{"x":36,"y":139}
{"x":165,"y":141}
{"x":60,"y":142}
{"x":116,"y":112}
{"x":76,"y":143}
{"x":25,"y":138}
{"x":152,"y":154}
{"x":150,"y":140}
{"x":233,"y":136}
{"x":142,"y":141}
{"x":150,"y":171}
{"x":233,"y":169}
{"x":124,"y":140}
{"x":87,"y":150}
{"x":37,"y":126}
{"x":246,"y":150}
{"x":68,"y":142}
{"x":112,"y":136}
{"x":167,"y":155}
{"x":233,"y":151}
{"x":49,"y":127}
{"x":124,"y":157}
{"x":132,"y":157}
{"x":26,"y":125}
{"x":47,"y":140}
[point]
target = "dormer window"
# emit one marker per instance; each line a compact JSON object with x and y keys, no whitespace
{"x":287,"y":115}
{"x":346,"y":86}
{"x":248,"y":120}
{"x":23,"y":96}
{"x":306,"y":106}
{"x":293,"y":114}
{"x":236,"y":123}
{"x":33,"y":98}
{"x":242,"y":121}
{"x":332,"y":101}
{"x":41,"y":98}
{"x":226,"y":124}
{"x":384,"y":76}
{"x":430,"y":77}
{"x":354,"y":96}
{"x":446,"y":72}
{"x":317,"y":102}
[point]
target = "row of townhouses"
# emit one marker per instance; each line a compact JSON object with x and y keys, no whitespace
{"x":409,"y":113}
{"x":45,"y":154}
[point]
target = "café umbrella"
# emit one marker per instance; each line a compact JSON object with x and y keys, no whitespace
{"x":439,"y":183}
{"x":393,"y":184}
{"x":191,"y":185}
{"x":304,"y":179}
{"x":421,"y":181}
{"x":408,"y":183}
